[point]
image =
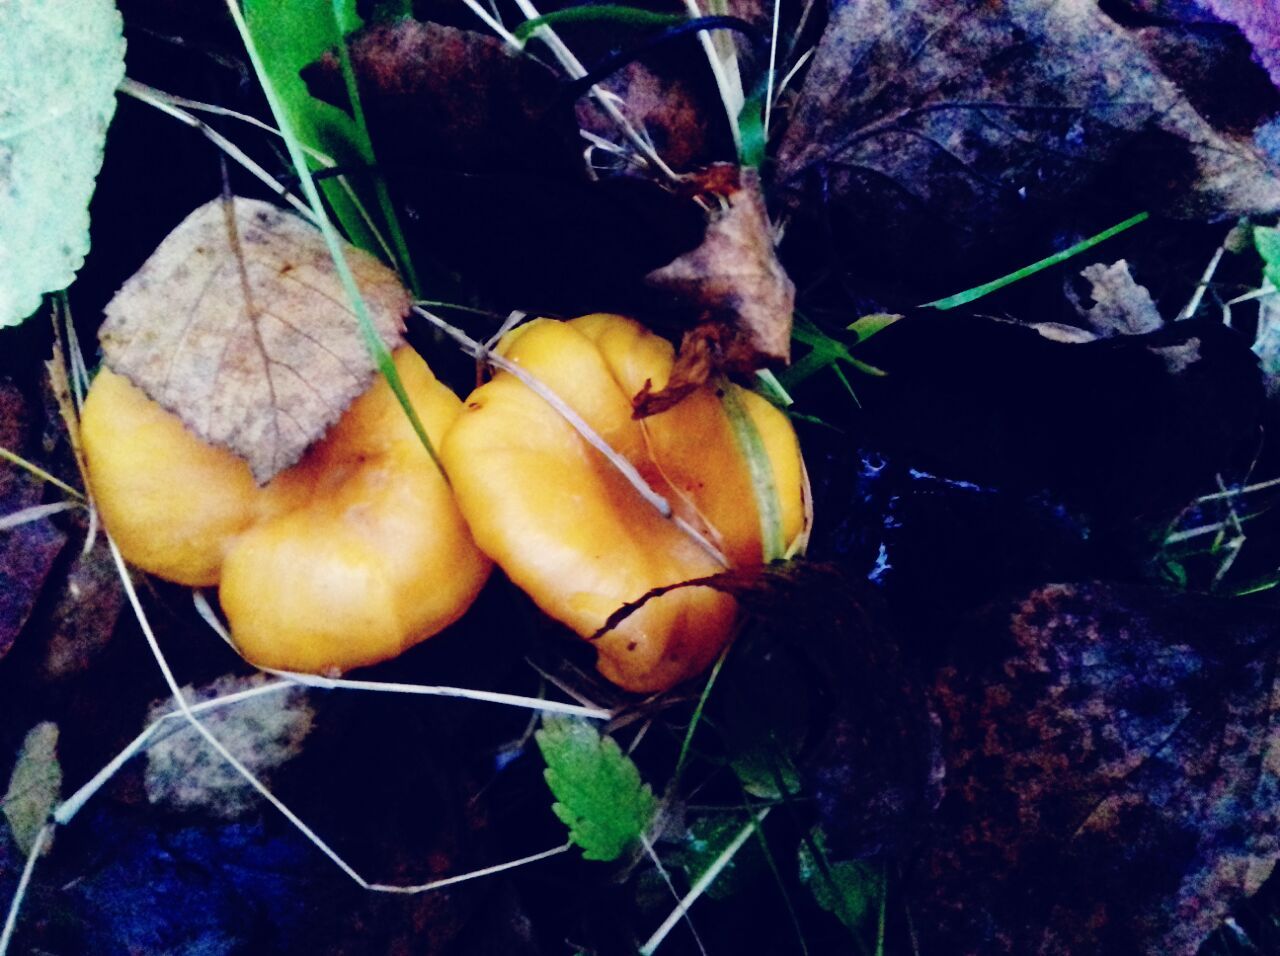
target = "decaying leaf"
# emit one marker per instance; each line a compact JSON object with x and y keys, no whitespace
{"x":599,"y":794}
{"x":34,"y":786}
{"x":62,"y":63}
{"x":733,"y":286}
{"x":1113,"y":775}
{"x":28,"y":550}
{"x":437,"y":96}
{"x":247,"y":334}
{"x":1120,"y":305}
{"x":264,"y":732}
{"x":682,"y":119}
{"x":1260,"y":23}
{"x":480,"y":148}
{"x":930,"y":128}
{"x":83,"y":613}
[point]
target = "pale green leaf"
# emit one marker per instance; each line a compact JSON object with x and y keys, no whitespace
{"x":1267,"y":241}
{"x":62,"y":62}
{"x":34,"y":786}
{"x":599,"y":794}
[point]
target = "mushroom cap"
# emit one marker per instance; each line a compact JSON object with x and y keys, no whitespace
{"x":172,"y":503}
{"x":347,"y":558}
{"x":572,"y":532}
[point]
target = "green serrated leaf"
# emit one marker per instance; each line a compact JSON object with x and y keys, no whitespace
{"x":34,"y":786}
{"x":1267,"y":241}
{"x":63,"y":60}
{"x":848,"y":889}
{"x":599,"y":794}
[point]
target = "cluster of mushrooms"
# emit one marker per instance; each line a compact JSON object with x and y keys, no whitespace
{"x":364,"y":549}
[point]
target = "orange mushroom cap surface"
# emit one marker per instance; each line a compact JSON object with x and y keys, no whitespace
{"x":348,"y":558}
{"x":568,"y":528}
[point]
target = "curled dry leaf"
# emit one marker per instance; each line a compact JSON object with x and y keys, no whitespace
{"x":1120,"y":305}
{"x":1111,"y":783}
{"x":732,"y":286}
{"x":247,"y":333}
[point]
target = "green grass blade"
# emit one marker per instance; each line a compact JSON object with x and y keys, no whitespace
{"x":373,"y":341}
{"x":977,"y":292}
{"x":763,"y":486}
{"x":291,"y":35}
{"x":346,"y":22}
{"x":696,"y":719}
{"x":599,"y":13}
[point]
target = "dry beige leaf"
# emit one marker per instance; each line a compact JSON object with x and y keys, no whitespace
{"x":733,"y":281}
{"x":1120,"y":305}
{"x":246,"y":334}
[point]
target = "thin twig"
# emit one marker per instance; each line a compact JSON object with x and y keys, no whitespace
{"x":220,"y":748}
{"x":206,"y":612}
{"x":37,"y":471}
{"x":1190,"y":308}
{"x":11,"y":921}
{"x":152,"y":98}
{"x":573,"y":66}
{"x":705,"y":880}
{"x":666,"y":878}
{"x":729,"y":86}
{"x":35,"y":513}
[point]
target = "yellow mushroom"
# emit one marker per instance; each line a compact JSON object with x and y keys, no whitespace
{"x":347,"y":558}
{"x":569,"y":529}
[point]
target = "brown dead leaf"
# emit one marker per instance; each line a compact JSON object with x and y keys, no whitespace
{"x":681,"y":117}
{"x":82,"y":617}
{"x":1112,"y":781}
{"x":264,"y":374}
{"x":1120,"y":305}
{"x":927,"y":129}
{"x":732,"y":285}
{"x":1260,"y":24}
{"x":437,"y":96}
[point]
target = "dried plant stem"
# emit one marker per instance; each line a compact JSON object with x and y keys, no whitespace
{"x":573,"y":66}
{"x":148,"y":93}
{"x":725,"y":72}
{"x":154,"y":98}
{"x":317,"y":682}
{"x":35,"y":513}
{"x":38,"y":845}
{"x":37,"y":471}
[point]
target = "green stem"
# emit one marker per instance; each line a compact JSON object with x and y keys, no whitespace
{"x":596,"y":13}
